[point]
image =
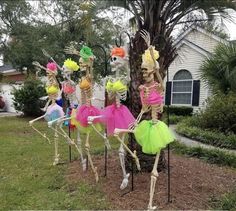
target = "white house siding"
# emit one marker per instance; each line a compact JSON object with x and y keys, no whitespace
{"x":190,"y":60}
{"x":203,"y":40}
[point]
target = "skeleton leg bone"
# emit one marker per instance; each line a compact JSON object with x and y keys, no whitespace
{"x":125,"y":180}
{"x":133,"y":154}
{"x":79,"y":146}
{"x":154,"y":176}
{"x":87,"y":148}
{"x":39,"y":132}
{"x":72,"y":142}
{"x":106,"y":140}
{"x":56,"y":160}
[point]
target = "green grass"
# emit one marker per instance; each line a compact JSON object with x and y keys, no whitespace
{"x":27,"y":178}
{"x":226,"y":202}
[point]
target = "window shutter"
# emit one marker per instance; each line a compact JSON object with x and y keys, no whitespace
{"x":168,"y":93}
{"x":196,"y":93}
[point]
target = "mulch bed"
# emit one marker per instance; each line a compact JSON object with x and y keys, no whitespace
{"x":193,"y":183}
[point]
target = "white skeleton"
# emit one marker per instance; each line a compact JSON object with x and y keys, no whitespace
{"x":52,"y":98}
{"x":86,"y":97}
{"x":148,"y":75}
{"x":119,"y":64}
{"x":71,"y":97}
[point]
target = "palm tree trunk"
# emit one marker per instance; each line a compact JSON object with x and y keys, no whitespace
{"x":146,"y":161}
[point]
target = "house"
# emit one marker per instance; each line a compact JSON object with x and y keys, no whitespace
{"x":185,"y":87}
{"x":10,"y":79}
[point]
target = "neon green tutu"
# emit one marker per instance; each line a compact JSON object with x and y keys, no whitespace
{"x":89,"y":128}
{"x":153,"y":137}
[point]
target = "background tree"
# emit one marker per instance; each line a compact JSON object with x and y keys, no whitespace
{"x":160,"y":18}
{"x":219,"y":70}
{"x":54,"y":25}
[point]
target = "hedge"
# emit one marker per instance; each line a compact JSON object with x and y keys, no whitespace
{"x":179,"y":110}
{"x":212,"y":156}
{"x":213,"y":138}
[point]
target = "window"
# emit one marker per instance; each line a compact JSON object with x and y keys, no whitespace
{"x":182,"y":88}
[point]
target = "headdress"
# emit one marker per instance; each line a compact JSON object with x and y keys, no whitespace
{"x":71,"y":65}
{"x":147,"y":61}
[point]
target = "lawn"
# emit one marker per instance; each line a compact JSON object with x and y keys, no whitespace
{"x":27,"y":178}
{"x":29,"y":181}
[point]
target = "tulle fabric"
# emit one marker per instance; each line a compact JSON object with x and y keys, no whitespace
{"x":153,"y":137}
{"x":53,"y":112}
{"x":82,"y":128}
{"x":84,"y":111}
{"x":115,"y":117}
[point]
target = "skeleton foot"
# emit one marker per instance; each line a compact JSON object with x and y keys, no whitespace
{"x":56,"y":160}
{"x":150,"y":208}
{"x":125,"y":182}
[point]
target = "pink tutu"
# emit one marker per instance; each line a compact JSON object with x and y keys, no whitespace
{"x":84,"y":111}
{"x":115,"y":117}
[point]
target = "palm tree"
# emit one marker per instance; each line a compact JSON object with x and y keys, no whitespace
{"x":219,"y":70}
{"x":159,"y":18}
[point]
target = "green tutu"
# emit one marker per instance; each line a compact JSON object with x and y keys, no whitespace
{"x":153,"y":137}
{"x":89,"y":128}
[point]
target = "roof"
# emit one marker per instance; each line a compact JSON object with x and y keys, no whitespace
{"x":200,"y":29}
{"x":7,"y":68}
{"x":182,"y":40}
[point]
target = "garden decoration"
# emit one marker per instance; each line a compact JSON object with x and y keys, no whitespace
{"x":53,"y":111}
{"x":69,"y":90}
{"x":153,"y":135}
{"x":80,"y":116}
{"x":118,"y":115}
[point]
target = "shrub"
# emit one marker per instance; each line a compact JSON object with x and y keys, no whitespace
{"x":211,"y":137}
{"x":209,"y":155}
{"x":26,"y":99}
{"x":220,"y":113}
{"x":173,"y":119}
{"x":179,"y":110}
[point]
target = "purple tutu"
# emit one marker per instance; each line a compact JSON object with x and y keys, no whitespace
{"x":115,"y":117}
{"x":84,"y":111}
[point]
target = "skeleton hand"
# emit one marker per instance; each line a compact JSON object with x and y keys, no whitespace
{"x":71,"y":50}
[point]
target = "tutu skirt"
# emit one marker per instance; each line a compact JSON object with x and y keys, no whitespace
{"x":53,"y":112}
{"x":115,"y":117}
{"x":80,"y":119}
{"x":153,"y":137}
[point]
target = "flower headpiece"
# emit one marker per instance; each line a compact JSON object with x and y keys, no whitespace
{"x":118,"y":51}
{"x":147,"y":61}
{"x":71,"y":65}
{"x":52,"y":68}
{"x":86,"y":53}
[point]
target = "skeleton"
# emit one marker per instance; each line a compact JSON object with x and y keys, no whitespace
{"x":119,"y":61}
{"x":86,"y":85}
{"x":148,"y":75}
{"x":52,"y":88}
{"x":69,"y":89}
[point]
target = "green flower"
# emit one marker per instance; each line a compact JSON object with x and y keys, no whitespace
{"x":86,"y":52}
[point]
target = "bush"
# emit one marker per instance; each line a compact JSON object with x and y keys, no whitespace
{"x":209,"y":155}
{"x":188,"y":127}
{"x":220,"y":113}
{"x":179,"y":110}
{"x":173,"y":119}
{"x":26,"y":99}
